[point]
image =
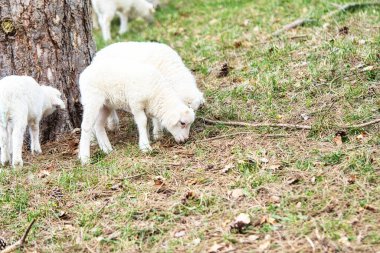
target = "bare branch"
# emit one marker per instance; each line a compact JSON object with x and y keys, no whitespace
{"x":365,"y":124}
{"x":281,"y":125}
{"x":242,"y":133}
{"x":19,"y":243}
{"x":340,"y":8}
{"x":238,"y":123}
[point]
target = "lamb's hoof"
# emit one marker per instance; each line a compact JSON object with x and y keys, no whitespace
{"x":4,"y":163}
{"x":36,"y":152}
{"x":146,"y":149}
{"x":106,"y":150}
{"x":85,"y":160}
{"x":17,"y":163}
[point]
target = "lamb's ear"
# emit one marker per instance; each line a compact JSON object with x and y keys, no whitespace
{"x":57,"y":101}
{"x":55,"y":97}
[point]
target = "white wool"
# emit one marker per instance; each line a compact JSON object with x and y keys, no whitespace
{"x":125,"y":9}
{"x":23,"y":102}
{"x":165,"y":60}
{"x":116,"y":83}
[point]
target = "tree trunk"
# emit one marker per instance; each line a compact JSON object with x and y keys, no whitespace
{"x":50,"y":40}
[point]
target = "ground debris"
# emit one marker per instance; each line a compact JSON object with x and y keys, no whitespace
{"x":224,"y":71}
{"x":241,"y":222}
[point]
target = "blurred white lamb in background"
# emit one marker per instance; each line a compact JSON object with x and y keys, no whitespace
{"x":167,"y":62}
{"x":107,"y":9}
{"x":117,"y":83}
{"x":23,"y":102}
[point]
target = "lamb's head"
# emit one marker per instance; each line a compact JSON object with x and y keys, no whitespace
{"x":53,"y":100}
{"x":178,"y":122}
{"x":145,"y":10}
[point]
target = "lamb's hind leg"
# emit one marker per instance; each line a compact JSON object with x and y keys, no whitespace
{"x":19,"y":128}
{"x":100,"y":130}
{"x":4,"y":145}
{"x":34,"y":131}
{"x":113,"y":121}
{"x":123,"y":22}
{"x":157,"y":129}
{"x":141,"y":122}
{"x":90,"y":114}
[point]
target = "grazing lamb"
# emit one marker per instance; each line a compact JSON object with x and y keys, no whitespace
{"x":107,"y":9}
{"x":165,"y":60}
{"x":23,"y":102}
{"x":116,"y":83}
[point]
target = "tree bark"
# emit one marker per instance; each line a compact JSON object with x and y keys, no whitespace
{"x":50,"y":40}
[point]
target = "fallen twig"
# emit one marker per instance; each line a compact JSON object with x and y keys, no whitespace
{"x":294,"y":24}
{"x":282,"y":125}
{"x":348,"y":7}
{"x":242,"y":133}
{"x":19,"y":243}
{"x":363,"y":124}
{"x":340,"y":8}
{"x":248,"y":124}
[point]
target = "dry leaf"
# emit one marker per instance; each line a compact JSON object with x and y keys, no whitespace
{"x":275,"y":199}
{"x":370,"y":208}
{"x":196,"y":241}
{"x":351,"y":179}
{"x":236,"y":194}
{"x":189,"y":196}
{"x":361,"y":136}
{"x":267,"y":219}
{"x":274,"y":167}
{"x":220,"y":247}
{"x":114,"y":235}
{"x":43,"y":174}
{"x":158,"y":181}
{"x":265,"y":245}
{"x":249,"y":239}
{"x":180,"y":233}
{"x":338,"y":140}
{"x":294,"y":180}
{"x":227,"y":168}
{"x":241,"y":222}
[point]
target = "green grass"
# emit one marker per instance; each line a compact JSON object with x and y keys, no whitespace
{"x":297,"y":189}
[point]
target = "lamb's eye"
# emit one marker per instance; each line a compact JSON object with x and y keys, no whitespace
{"x":183,"y":123}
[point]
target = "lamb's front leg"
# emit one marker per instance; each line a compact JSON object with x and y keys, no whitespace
{"x":34,"y":131}
{"x":105,"y":25}
{"x":4,"y":145}
{"x":141,"y":122}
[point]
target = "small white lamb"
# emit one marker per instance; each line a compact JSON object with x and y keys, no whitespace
{"x":23,"y":102}
{"x":107,"y":9}
{"x":167,"y":62}
{"x":116,"y":83}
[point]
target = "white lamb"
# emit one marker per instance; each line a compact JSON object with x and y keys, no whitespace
{"x":165,"y":60}
{"x":107,"y":9}
{"x":138,"y":88}
{"x":23,"y":102}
